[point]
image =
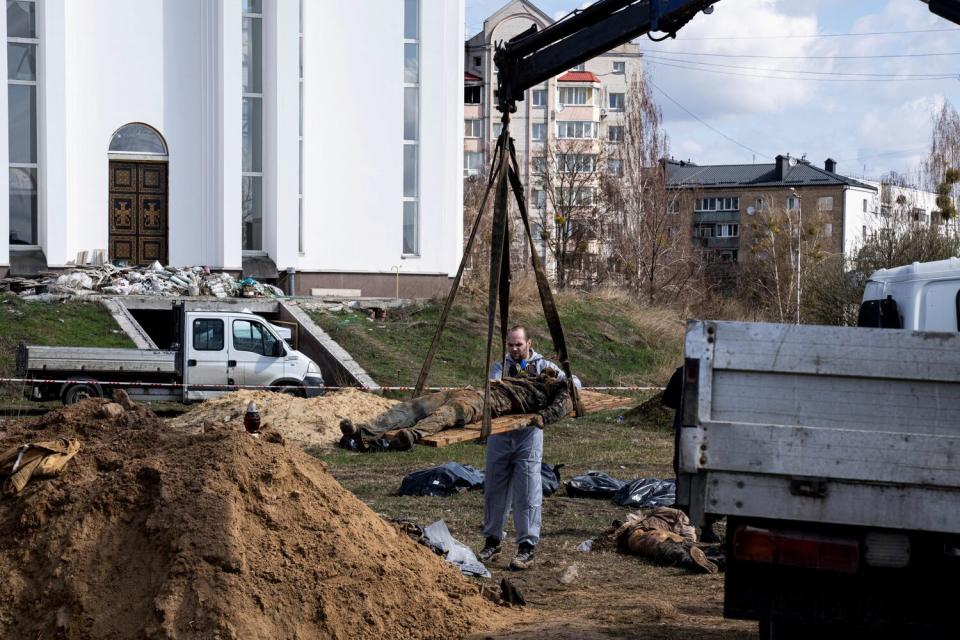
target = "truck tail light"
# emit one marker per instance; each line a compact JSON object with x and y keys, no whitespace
{"x":794,"y":549}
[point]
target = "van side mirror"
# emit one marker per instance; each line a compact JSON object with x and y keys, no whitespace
{"x":278,"y":349}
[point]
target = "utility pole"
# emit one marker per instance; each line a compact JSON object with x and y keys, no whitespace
{"x":799,"y":241}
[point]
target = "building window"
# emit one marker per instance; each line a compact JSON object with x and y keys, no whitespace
{"x":828,"y":230}
{"x":300,"y":243}
{"x":615,"y":166}
{"x":577,"y":129}
{"x":252,"y":124}
{"x":619,"y":66}
{"x":918,"y":215}
{"x":538,"y":97}
{"x":575,"y":162}
{"x":580,"y":67}
{"x":539,"y":164}
{"x":411,"y":128}
{"x":538,"y":130}
{"x":825,"y":203}
{"x":497,"y":129}
{"x":577,"y":96}
{"x":717,"y":204}
{"x":726,"y":230}
{"x":673,"y":207}
{"x":617,"y":101}
{"x":615,"y":133}
{"x":22,"y":48}
{"x":703,"y":231}
{"x":472,"y":163}
{"x":793,"y":203}
{"x":577,"y":196}
{"x":864,"y":205}
{"x":477,"y":61}
{"x":471,"y":94}
{"x":538,"y":198}
{"x":473,"y":128}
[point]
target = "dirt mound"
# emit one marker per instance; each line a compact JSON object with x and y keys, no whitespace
{"x":314,"y":421}
{"x":651,"y":412}
{"x":151,"y":533}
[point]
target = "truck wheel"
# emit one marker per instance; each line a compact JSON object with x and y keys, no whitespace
{"x":81,"y":391}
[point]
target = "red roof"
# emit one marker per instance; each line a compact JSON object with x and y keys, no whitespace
{"x":578,"y":76}
{"x":469,"y":77}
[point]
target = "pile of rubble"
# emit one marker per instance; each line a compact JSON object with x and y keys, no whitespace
{"x":155,"y":280}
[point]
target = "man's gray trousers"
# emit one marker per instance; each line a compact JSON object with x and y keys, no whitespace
{"x":513,"y":479}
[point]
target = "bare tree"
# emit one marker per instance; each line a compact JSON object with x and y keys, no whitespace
{"x":768,"y":273}
{"x":942,"y":167}
{"x":649,"y":230}
{"x":566,"y":207}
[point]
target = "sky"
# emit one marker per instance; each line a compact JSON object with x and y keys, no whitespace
{"x":747,"y":82}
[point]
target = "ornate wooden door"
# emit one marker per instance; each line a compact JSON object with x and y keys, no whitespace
{"x":138,"y":212}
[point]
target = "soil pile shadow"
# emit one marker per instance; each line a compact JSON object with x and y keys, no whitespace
{"x":151,"y":533}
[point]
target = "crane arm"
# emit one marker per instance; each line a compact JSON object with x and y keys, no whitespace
{"x":537,"y":55}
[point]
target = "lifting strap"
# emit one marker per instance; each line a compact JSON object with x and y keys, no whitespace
{"x":505,"y":176}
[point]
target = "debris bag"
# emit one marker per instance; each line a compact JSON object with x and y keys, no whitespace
{"x":647,"y":492}
{"x":35,"y":459}
{"x":595,"y":484}
{"x":437,"y":537}
{"x":550,"y":478}
{"x":445,"y":480}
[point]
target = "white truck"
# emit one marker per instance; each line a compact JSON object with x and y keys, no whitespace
{"x":834,"y":454}
{"x":217,"y":351}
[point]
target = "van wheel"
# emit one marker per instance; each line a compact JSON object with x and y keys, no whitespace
{"x":291,"y":390}
{"x":80,"y":391}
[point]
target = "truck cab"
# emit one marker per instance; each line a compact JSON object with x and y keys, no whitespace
{"x":923,"y":296}
{"x":241,"y":349}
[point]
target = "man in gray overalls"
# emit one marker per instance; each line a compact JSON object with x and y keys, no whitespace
{"x":512,"y":473}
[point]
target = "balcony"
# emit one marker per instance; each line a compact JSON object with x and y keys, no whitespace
{"x":722,"y":243}
{"x":715,"y":216}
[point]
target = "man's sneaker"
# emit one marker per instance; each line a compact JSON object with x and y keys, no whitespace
{"x":491,"y":549}
{"x":700,"y":559}
{"x":524,"y":557}
{"x":403,"y":441}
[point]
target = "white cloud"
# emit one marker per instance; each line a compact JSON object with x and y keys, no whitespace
{"x":723,"y":90}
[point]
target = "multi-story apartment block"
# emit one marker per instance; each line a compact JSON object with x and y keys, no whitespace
{"x":725,"y":198}
{"x":573,"y":114}
{"x":220,"y":133}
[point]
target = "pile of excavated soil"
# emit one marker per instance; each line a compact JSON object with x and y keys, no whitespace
{"x":152,"y":533}
{"x":652,"y":412}
{"x":313,"y":421}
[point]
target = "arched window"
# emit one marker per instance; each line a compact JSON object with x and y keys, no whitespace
{"x":138,"y":138}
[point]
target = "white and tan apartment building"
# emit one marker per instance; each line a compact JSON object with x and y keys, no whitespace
{"x":245,"y":135}
{"x":586,"y":103}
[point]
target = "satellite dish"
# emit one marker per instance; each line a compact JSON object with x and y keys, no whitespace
{"x":751,"y":211}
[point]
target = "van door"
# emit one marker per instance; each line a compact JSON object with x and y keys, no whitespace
{"x":207,"y":355}
{"x":253,"y":350}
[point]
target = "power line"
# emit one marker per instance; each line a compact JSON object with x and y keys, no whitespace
{"x":805,"y":72}
{"x":802,"y":79}
{"x":824,"y":35}
{"x":714,"y":54}
{"x":706,"y":124}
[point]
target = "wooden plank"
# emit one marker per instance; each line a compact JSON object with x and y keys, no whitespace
{"x":593,"y":401}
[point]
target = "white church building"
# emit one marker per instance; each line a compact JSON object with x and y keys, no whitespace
{"x":255,"y":136}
